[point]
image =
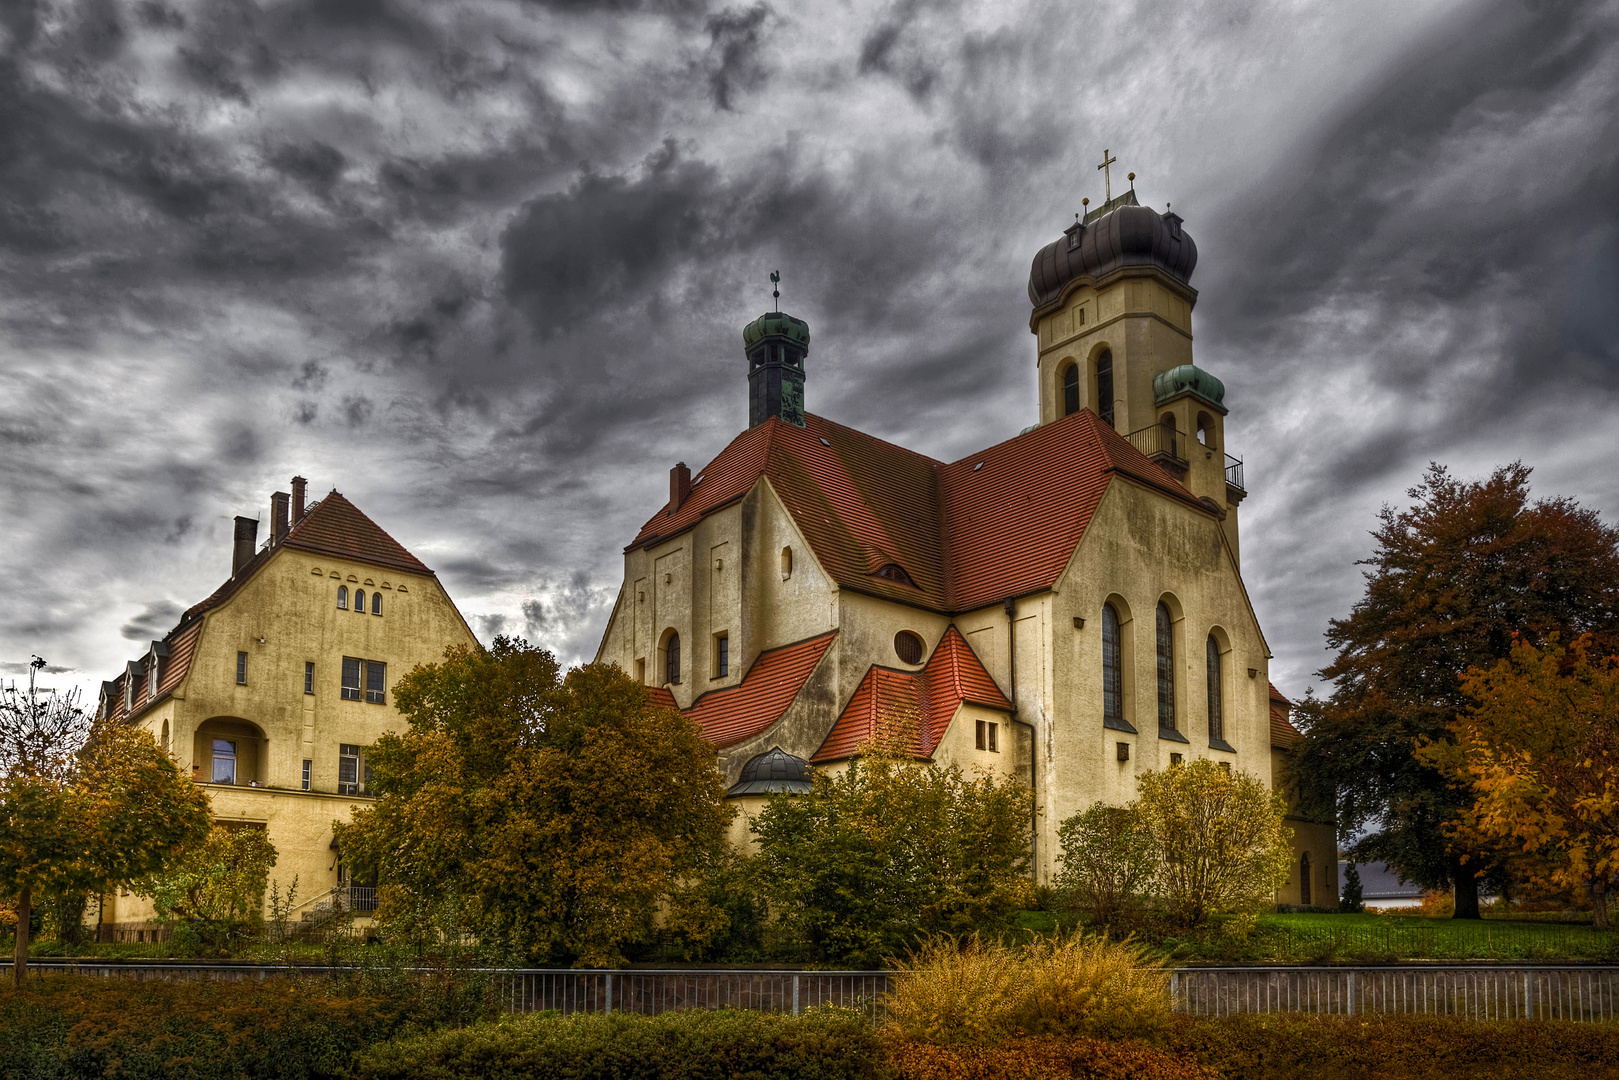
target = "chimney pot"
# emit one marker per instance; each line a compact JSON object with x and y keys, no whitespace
{"x":300,"y":487}
{"x":247,"y":542}
{"x":278,"y":515}
{"x":679,"y":485}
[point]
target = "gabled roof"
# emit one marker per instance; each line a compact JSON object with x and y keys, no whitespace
{"x":739,"y":712}
{"x":1282,"y":732}
{"x":333,"y":526}
{"x":889,"y":701}
{"x":863,"y":504}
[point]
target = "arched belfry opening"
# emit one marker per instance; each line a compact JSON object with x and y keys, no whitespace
{"x":1070,"y":389}
{"x":1104,"y":386}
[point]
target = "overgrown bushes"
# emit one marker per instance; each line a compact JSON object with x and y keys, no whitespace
{"x":67,"y":1027}
{"x":823,"y":1044}
{"x":984,"y":993}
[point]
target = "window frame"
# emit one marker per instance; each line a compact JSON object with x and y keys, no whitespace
{"x":342,"y":598}
{"x":376,"y":602}
{"x":306,"y":771}
{"x":1164,"y":653}
{"x":241,"y":668}
{"x":1113,"y":669}
{"x":309,"y":677}
{"x":376,"y":682}
{"x":216,"y":756}
{"x":722,"y":655}
{"x":354,"y":785}
{"x":1068,"y":385}
{"x":356,"y":690}
{"x":1104,"y":386}
{"x":671,"y":659}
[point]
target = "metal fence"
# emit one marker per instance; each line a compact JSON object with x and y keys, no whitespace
{"x":1495,"y":992}
{"x":1584,"y":994}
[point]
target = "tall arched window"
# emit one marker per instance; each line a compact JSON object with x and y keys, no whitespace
{"x":671,"y":659}
{"x":1112,"y":668}
{"x":359,"y":601}
{"x":1216,"y":714}
{"x":342,"y":597}
{"x":1104,"y":385}
{"x":376,"y":603}
{"x":1070,"y":390}
{"x":1304,"y":879}
{"x":1166,"y":668}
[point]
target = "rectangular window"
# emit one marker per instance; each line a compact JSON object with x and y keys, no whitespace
{"x":640,"y":672}
{"x":988,"y":736}
{"x":348,"y":770}
{"x":722,"y":655}
{"x":225,"y":760}
{"x":307,"y":764}
{"x":309,"y":676}
{"x":241,"y":669}
{"x":1176,"y":759}
{"x":351,"y":679}
{"x":375,"y":673}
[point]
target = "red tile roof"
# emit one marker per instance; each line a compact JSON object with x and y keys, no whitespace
{"x":863,"y":503}
{"x":740,"y":712}
{"x":1277,"y":695}
{"x":333,"y":526}
{"x":888,"y":701}
{"x":1282,"y":732}
{"x":662,"y":698}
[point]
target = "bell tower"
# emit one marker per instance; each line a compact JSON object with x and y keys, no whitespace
{"x":1112,"y":318}
{"x":776,"y":345}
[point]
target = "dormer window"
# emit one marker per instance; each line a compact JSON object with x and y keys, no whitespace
{"x":151,"y":678}
{"x":895,"y":573}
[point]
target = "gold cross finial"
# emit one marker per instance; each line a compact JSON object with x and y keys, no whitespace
{"x":1107,"y":177}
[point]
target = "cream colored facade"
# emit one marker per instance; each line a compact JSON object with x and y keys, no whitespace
{"x":745,"y":571}
{"x":287,"y":722}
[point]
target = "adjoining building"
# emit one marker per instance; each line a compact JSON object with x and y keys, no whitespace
{"x":1065,"y":606}
{"x":268,"y":692}
{"x":1314,"y":879}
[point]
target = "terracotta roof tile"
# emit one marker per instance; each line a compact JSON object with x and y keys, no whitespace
{"x":863,"y":503}
{"x":662,"y":698}
{"x":926,"y":701}
{"x":1277,"y":695}
{"x":740,"y":712}
{"x":1282,"y":732}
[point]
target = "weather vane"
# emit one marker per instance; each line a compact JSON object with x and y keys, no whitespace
{"x":775,"y":279}
{"x":1107,"y":176}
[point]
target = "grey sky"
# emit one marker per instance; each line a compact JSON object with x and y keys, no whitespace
{"x":482,"y":266}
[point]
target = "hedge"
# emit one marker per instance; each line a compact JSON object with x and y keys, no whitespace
{"x":822,"y":1044}
{"x":1379,"y":1047}
{"x":1041,"y":1059}
{"x":64,"y":1027}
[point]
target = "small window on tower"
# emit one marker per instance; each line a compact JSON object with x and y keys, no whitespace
{"x":722,"y":655}
{"x":1070,"y":390}
{"x":309,"y":676}
{"x":359,"y":601}
{"x":1104,"y":385}
{"x":241,"y":669}
{"x":786,"y":563}
{"x":342,"y":598}
{"x":376,"y":603}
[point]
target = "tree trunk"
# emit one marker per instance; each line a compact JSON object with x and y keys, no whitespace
{"x":1466,"y":894}
{"x":1599,"y":903}
{"x":19,"y":968}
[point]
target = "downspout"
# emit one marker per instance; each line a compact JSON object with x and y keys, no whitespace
{"x":1034,"y":802}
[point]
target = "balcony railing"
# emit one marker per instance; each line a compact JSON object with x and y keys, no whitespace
{"x":356,"y":898}
{"x":1163,"y":444}
{"x":1233,"y":472}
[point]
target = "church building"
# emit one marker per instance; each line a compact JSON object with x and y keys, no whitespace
{"x":1066,"y":606}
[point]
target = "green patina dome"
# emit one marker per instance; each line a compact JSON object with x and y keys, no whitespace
{"x":776,"y":324}
{"x":1188,"y":378}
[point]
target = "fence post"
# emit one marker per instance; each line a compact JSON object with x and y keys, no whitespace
{"x":1349,"y":994}
{"x":795,"y":993}
{"x":1174,"y":989}
{"x":609,"y":991}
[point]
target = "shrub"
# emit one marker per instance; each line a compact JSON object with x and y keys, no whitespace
{"x":978,"y":994}
{"x":1107,"y":861}
{"x":1041,"y":1059}
{"x":63,"y":1027}
{"x":822,"y":1044}
{"x":1375,"y":1047}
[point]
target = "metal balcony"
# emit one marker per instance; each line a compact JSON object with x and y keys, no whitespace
{"x":1165,"y":445}
{"x":1233,"y":473}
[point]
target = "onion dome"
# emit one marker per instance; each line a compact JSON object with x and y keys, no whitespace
{"x":1188,"y":379}
{"x":775,"y":324}
{"x":773,"y":771}
{"x":1123,"y":233}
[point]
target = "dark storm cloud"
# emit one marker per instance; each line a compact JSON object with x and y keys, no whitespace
{"x":734,"y":40}
{"x":157,"y":619}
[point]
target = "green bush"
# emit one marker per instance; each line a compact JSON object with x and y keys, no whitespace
{"x":823,"y":1044}
{"x":1046,"y":1058}
{"x":1305,"y":1047}
{"x":64,"y":1027}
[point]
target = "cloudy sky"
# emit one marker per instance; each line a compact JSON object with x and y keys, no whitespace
{"x":482,"y":265}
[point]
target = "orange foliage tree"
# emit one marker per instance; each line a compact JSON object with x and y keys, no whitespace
{"x":1540,"y":746}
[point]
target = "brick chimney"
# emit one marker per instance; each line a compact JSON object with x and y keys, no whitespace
{"x":247,"y":542}
{"x":679,"y":485}
{"x":279,"y":503}
{"x":299,"y":487}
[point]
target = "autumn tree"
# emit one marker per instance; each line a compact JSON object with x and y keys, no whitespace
{"x":1108,"y":861}
{"x":1218,"y":836}
{"x":1452,"y":579}
{"x":214,"y":893}
{"x":83,"y":807}
{"x":1540,"y":745}
{"x":867,"y":863}
{"x":565,"y":811}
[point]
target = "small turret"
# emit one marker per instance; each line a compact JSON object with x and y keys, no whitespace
{"x":776,"y":345}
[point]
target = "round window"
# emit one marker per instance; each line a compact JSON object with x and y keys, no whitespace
{"x":908,"y":647}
